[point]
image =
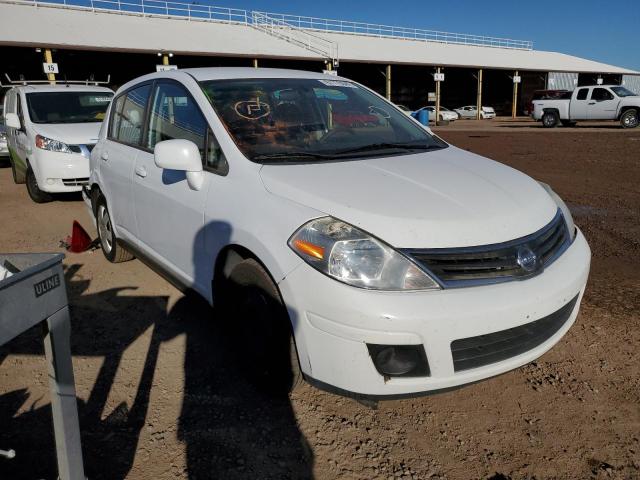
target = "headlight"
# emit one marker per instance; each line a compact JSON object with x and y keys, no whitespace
{"x":563,"y":208}
{"x":3,"y":136}
{"x":351,"y":256}
{"x":53,"y":145}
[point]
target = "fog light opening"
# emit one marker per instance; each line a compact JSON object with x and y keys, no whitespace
{"x":399,"y":360}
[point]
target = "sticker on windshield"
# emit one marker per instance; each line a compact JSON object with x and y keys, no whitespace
{"x":373,"y":110}
{"x":252,"y":109}
{"x":337,"y":83}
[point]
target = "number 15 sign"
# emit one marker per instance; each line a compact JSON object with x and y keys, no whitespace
{"x":50,"y":67}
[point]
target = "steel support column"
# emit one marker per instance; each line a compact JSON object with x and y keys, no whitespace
{"x":48,"y":58}
{"x":388,"y":82}
{"x":479,"y":100}
{"x":438,"y":71}
{"x":514,"y":103}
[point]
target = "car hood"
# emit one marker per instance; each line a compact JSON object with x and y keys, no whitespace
{"x":440,"y":199}
{"x":70,"y":133}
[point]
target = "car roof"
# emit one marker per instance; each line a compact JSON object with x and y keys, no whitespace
{"x":62,"y":88}
{"x":231,"y":73}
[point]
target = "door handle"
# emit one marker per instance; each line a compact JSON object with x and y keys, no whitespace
{"x":104,"y":156}
{"x":592,"y":103}
{"x":141,"y":171}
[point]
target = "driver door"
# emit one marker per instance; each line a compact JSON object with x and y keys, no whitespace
{"x":169,"y":214}
{"x":603,"y":105}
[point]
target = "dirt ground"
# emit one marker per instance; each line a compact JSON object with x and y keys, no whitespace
{"x":160,"y":396}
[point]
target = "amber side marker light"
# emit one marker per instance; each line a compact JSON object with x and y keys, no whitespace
{"x":310,"y":249}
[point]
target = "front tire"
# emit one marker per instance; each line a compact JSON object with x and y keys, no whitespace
{"x":550,"y":119}
{"x":629,"y":119}
{"x":258,"y":321}
{"x":34,"y":191}
{"x":111,"y":248}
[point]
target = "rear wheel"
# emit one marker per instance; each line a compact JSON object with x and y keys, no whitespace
{"x":550,"y":119}
{"x":257,"y":318}
{"x":34,"y":191}
{"x":111,"y":249}
{"x":629,"y":119}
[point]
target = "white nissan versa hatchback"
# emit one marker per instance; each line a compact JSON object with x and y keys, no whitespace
{"x":342,"y":241}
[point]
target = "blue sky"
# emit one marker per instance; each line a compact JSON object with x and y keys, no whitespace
{"x":605,"y":31}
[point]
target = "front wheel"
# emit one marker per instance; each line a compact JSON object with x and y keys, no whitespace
{"x":550,"y":119}
{"x":34,"y":191}
{"x":111,"y":249}
{"x":257,"y":319}
{"x":629,"y":119}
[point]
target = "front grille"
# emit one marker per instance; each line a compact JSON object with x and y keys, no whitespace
{"x":494,"y":347}
{"x":82,"y":149}
{"x":75,"y":182}
{"x":517,"y":259}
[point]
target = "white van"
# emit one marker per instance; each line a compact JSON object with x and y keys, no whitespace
{"x":340,"y":240}
{"x":51,"y":130}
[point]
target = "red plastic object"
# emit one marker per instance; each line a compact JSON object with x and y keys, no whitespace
{"x":79,"y":241}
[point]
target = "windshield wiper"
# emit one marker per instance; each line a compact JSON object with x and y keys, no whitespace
{"x":387,"y":146}
{"x":290,"y":156}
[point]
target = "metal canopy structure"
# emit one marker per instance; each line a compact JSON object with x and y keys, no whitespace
{"x":190,"y":29}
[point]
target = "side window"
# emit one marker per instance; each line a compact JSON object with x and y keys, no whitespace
{"x":131,"y":121}
{"x":214,"y":159}
{"x":174,"y":114}
{"x":600,"y":94}
{"x":19,"y":109}
{"x":582,"y":94}
{"x":116,"y":116}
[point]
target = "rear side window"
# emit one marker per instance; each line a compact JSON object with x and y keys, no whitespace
{"x":600,"y":94}
{"x":128,"y":118}
{"x":582,"y":94}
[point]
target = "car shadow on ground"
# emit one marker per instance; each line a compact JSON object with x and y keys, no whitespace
{"x":229,"y":428}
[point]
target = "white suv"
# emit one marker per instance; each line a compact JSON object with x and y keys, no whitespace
{"x":341,"y":241}
{"x":51,"y":130}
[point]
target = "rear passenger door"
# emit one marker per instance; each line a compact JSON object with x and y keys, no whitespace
{"x":579,"y":105}
{"x":169,"y":214}
{"x":603,"y":104}
{"x":117,"y":155}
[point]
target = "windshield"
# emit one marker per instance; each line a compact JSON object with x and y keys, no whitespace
{"x":623,"y":92}
{"x":276,"y":120}
{"x":68,"y":107}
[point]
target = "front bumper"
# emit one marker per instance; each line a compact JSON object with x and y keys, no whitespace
{"x":60,"y":172}
{"x":333,"y":323}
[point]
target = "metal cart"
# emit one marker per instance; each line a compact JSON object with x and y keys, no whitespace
{"x":36,"y":293}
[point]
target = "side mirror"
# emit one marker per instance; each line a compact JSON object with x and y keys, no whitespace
{"x":12,"y":120}
{"x":182,"y":155}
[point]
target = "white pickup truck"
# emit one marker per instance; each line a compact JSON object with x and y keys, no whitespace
{"x":601,"y":102}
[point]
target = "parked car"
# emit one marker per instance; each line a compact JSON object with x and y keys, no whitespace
{"x":406,"y":110}
{"x":4,"y":149}
{"x":600,"y":102}
{"x":445,"y":113}
{"x":368,"y":259}
{"x":51,"y":131}
{"x":544,"y":95}
{"x":471,"y":111}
